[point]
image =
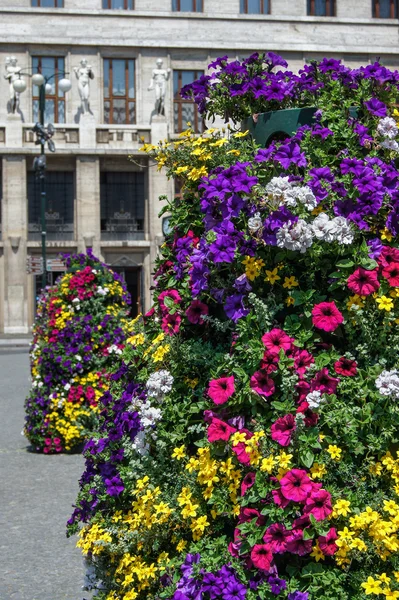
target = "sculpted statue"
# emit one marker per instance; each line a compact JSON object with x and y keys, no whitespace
{"x":158,"y":82}
{"x":12,"y":74}
{"x":83,"y":74}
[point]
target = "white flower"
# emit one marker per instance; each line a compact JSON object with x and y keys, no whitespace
{"x":298,"y":237}
{"x":278,"y":189}
{"x":67,"y":387}
{"x":78,"y":357}
{"x":159,"y":384}
{"x":314,"y":399}
{"x":322,"y":228}
{"x":114,"y":350}
{"x":387,"y":383}
{"x":305,"y":196}
{"x":390,"y":145}
{"x":77,"y":300}
{"x":102,"y":291}
{"x":387,"y":128}
{"x":342,"y":231}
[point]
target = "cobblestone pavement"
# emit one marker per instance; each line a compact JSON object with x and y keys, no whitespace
{"x":37,"y":561}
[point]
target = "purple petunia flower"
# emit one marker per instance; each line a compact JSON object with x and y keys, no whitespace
{"x":376,"y":107}
{"x":298,"y":596}
{"x":114,"y":486}
{"x":290,"y":154}
{"x":234,"y":591}
{"x":234,"y":307}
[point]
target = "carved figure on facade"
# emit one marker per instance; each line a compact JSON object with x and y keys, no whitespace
{"x":84,"y":74}
{"x":158,"y":82}
{"x":12,"y":74}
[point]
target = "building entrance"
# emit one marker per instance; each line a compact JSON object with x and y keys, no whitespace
{"x":132,"y":276}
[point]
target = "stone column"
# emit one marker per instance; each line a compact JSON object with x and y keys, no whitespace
{"x":15,"y":238}
{"x":88,"y":204}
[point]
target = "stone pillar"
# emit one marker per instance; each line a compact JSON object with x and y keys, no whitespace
{"x":15,"y":237}
{"x":88,"y":204}
{"x":87,"y":131}
{"x":14,"y":131}
{"x":157,"y":186}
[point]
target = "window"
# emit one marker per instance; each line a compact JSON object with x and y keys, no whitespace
{"x":187,"y":5}
{"x":119,"y":4}
{"x":119,"y":91}
{"x":122,"y":205}
{"x":321,"y":8}
{"x":255,"y":7}
{"x":48,"y":3}
{"x":185,"y":111}
{"x":385,"y":9}
{"x":55,"y":99}
{"x":60,"y":202}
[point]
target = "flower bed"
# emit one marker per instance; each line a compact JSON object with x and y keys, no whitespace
{"x":80,"y":326}
{"x":247,"y":447}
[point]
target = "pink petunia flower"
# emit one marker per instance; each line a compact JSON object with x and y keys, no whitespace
{"x":262,"y":384}
{"x":196,"y":311}
{"x":297,"y":545}
{"x":327,"y":542}
{"x":326,"y":316}
{"x":346,"y":367}
{"x":388,"y":255}
{"x":172,"y":294}
{"x":269,"y":362}
{"x":279,"y":499}
{"x":248,"y":514}
{"x":276,"y":537}
{"x":276,"y":340}
{"x":283,"y":429}
{"x":363,"y":282}
{"x":170,"y":324}
{"x":221,"y":389}
{"x":303,"y":389}
{"x":391,"y":273}
{"x":247,"y":482}
{"x":302,"y":361}
{"x":324,"y":383}
{"x":219,"y":431}
{"x":319,"y":505}
{"x":296,"y":485}
{"x":261,"y":557}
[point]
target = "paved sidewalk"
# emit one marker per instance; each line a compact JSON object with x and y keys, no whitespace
{"x":36,"y":493}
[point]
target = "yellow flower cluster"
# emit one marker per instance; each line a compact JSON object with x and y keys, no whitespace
{"x":253,"y":267}
{"x":93,"y":539}
{"x":374,"y":586}
{"x":65,"y":421}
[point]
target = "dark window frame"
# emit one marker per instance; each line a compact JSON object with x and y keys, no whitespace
{"x":128,"y":100}
{"x":179,"y":102}
{"x":59,"y":73}
{"x":393,"y":7}
{"x":128,"y":5}
{"x":244,"y":7}
{"x":37,"y":4}
{"x":198,"y":6}
{"x":331,"y":8}
{"x":115,"y":188}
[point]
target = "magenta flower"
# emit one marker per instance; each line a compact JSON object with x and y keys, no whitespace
{"x":219,"y":431}
{"x":324,"y":383}
{"x":279,"y":499}
{"x":319,"y":505}
{"x":171,"y":323}
{"x":247,"y":482}
{"x":173,"y":295}
{"x":363,"y":282}
{"x":391,"y":273}
{"x":196,"y":311}
{"x":302,"y":361}
{"x":327,"y":542}
{"x":276,"y":537}
{"x":221,"y":389}
{"x":326,"y":316}
{"x":297,"y":545}
{"x":346,"y":367}
{"x":262,"y":384}
{"x":283,"y":429}
{"x":296,"y":485}
{"x":261,"y":557}
{"x":276,"y":340}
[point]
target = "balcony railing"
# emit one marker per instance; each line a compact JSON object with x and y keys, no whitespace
{"x":129,"y":137}
{"x":65,"y":136}
{"x":122,"y":226}
{"x":57,"y":229}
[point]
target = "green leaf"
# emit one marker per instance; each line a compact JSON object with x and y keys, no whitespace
{"x":307,"y":458}
{"x":346,"y":263}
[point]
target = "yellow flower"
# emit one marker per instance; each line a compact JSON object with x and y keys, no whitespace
{"x":268,"y":464}
{"x":318,"y":470}
{"x":272,"y":276}
{"x":234,"y":152}
{"x":355,"y":300}
{"x":289,"y":300}
{"x":334,"y":452}
{"x":342,"y":507}
{"x":390,"y":594}
{"x":181,"y":170}
{"x":371,"y":586}
{"x":219,"y":143}
{"x":290,"y":282}
{"x":181,"y":545}
{"x":385,"y":303}
{"x":317,"y":553}
{"x":241,"y":134}
{"x":284,"y":460}
{"x":179,"y":453}
{"x":384,"y":578}
{"x":386,"y":235}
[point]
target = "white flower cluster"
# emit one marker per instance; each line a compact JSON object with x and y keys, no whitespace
{"x":281,"y":191}
{"x":297,"y":236}
{"x":332,"y":230}
{"x":300,"y":235}
{"x":149,"y":416}
{"x":388,"y":129}
{"x":159,"y":384}
{"x":102,"y":291}
{"x":314,"y":399}
{"x":388,"y":383}
{"x":91,"y":582}
{"x":114,"y":350}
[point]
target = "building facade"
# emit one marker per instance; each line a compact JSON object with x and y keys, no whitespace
{"x":102,"y":193}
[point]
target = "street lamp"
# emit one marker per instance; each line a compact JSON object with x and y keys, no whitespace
{"x":43,"y":136}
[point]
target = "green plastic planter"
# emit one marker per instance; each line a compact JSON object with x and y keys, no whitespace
{"x":279,"y":124}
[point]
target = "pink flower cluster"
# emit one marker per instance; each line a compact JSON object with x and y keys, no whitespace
{"x":171,"y":319}
{"x":81,"y":282}
{"x":365,"y":282}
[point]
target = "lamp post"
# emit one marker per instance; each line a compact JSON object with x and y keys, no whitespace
{"x":43,"y":136}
